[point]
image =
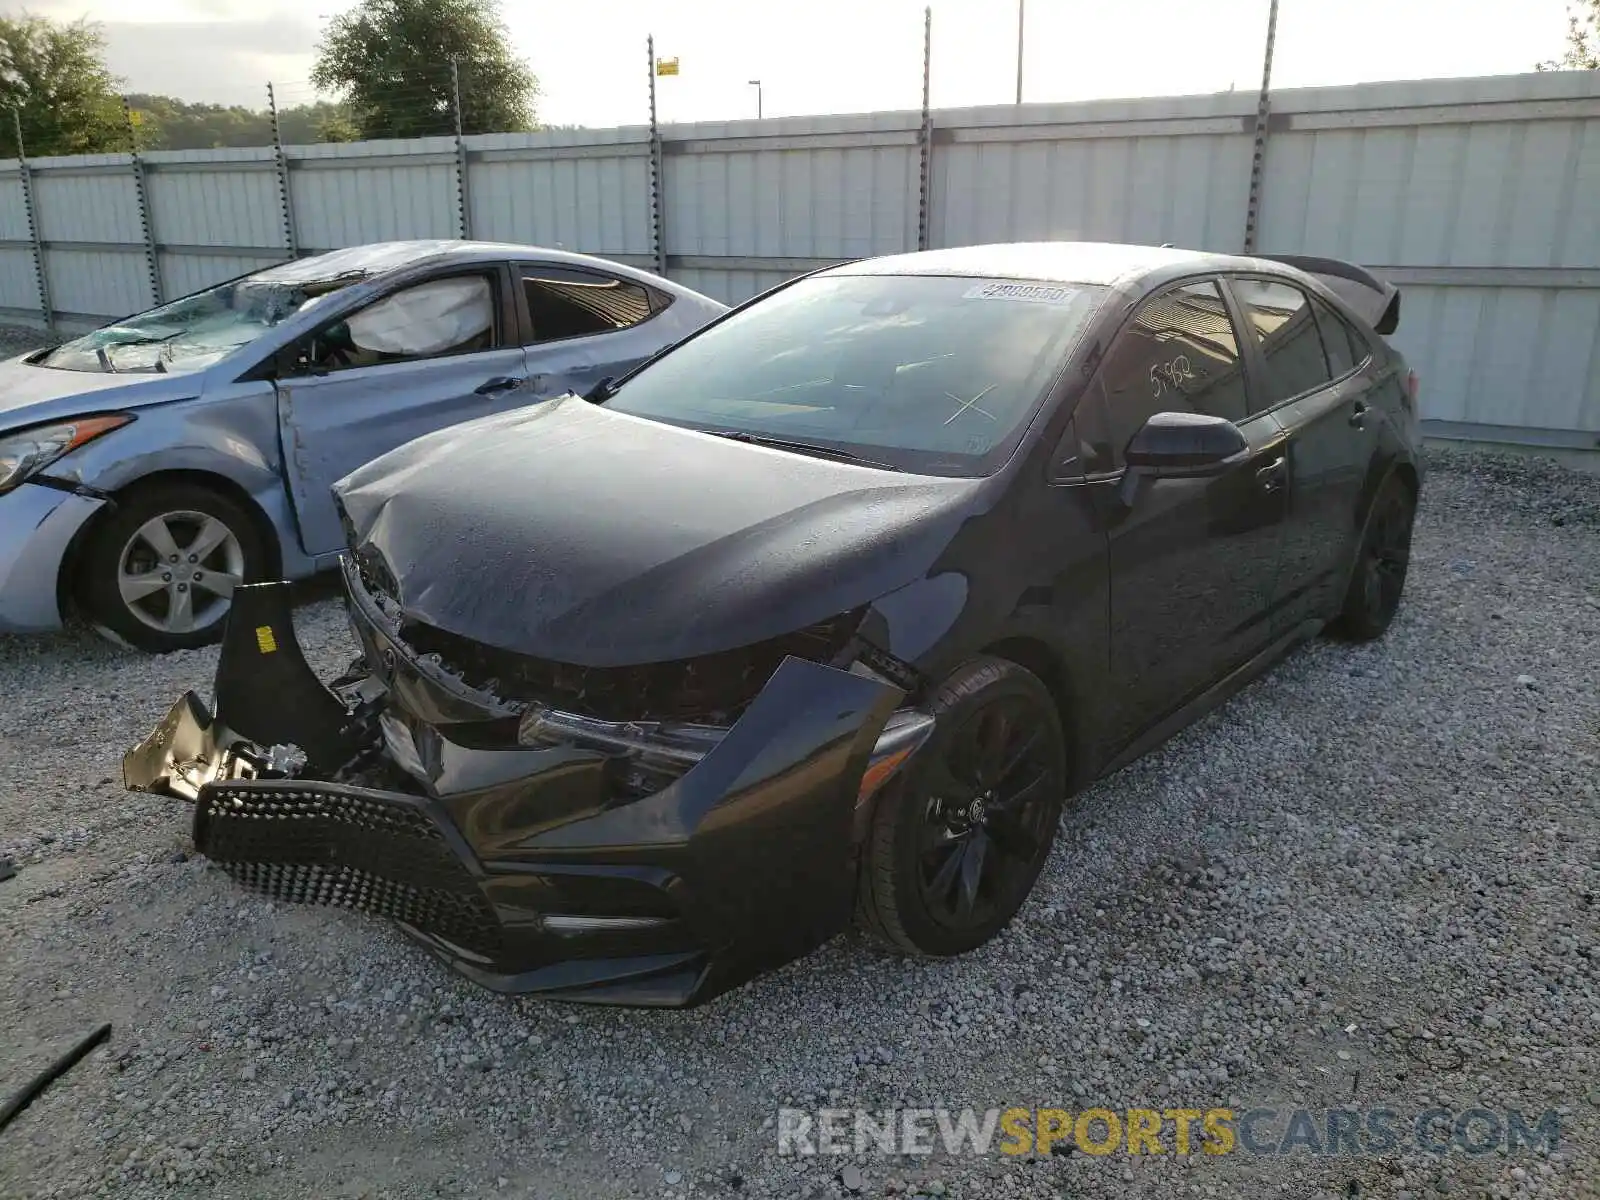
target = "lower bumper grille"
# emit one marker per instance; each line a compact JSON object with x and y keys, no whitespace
{"x":382,"y":855}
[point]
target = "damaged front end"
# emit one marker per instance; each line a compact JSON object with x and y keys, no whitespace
{"x":517,"y":824}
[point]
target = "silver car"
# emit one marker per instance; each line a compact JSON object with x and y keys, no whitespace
{"x":149,"y":467}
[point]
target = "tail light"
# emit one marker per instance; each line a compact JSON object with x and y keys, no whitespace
{"x":1413,"y":386}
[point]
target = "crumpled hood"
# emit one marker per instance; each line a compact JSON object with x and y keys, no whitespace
{"x":29,"y":394}
{"x":568,"y":532}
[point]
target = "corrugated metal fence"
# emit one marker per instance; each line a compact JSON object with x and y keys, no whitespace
{"x":1480,"y":197}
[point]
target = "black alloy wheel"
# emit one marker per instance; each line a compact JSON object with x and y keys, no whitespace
{"x":1379,"y":578}
{"x":956,"y":847}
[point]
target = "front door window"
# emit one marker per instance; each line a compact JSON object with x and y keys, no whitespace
{"x":429,"y":320}
{"x":1178,"y":354}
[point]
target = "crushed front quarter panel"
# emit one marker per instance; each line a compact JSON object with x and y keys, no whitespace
{"x":528,"y":869}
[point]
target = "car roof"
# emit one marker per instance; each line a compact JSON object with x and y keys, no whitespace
{"x":376,"y":258}
{"x":1105,"y":263}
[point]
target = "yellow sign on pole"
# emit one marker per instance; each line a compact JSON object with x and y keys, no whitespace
{"x":666,"y":66}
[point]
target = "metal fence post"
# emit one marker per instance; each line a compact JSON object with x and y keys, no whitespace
{"x":25,"y":173}
{"x":1252,"y":216}
{"x":280,"y":160}
{"x":1021,"y":25}
{"x":658,"y":248}
{"x":925,"y":134}
{"x":142,"y":196}
{"x":463,"y":205}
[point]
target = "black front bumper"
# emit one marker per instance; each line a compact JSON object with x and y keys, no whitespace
{"x":529,"y":869}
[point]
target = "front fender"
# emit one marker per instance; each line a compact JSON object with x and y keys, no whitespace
{"x":235,"y":437}
{"x":231,"y":437}
{"x":533,"y":868}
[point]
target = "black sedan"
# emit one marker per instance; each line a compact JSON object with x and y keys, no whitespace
{"x":823,"y":612}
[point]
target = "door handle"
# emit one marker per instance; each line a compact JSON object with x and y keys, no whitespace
{"x":500,"y":383}
{"x":1272,"y":475}
{"x":1358,"y":415}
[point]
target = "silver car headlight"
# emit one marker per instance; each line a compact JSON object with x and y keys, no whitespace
{"x":29,"y":451}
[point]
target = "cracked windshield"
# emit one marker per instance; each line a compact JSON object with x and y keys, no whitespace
{"x":192,"y":333}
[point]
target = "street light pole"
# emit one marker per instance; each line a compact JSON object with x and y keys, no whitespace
{"x":756,"y":83}
{"x":1020,"y":4}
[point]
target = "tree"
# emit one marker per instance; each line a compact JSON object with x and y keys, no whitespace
{"x":55,"y":76}
{"x":164,"y":123}
{"x":327,"y":122}
{"x":1583,"y":40}
{"x":391,"y":61}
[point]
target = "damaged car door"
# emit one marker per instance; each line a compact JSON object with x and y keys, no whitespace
{"x":426,"y":355}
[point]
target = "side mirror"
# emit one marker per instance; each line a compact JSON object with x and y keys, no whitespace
{"x":1181,"y":445}
{"x":1175,"y":445}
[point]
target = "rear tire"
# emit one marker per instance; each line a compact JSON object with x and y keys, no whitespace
{"x":956,"y":845}
{"x":1379,"y":578}
{"x":158,"y":572}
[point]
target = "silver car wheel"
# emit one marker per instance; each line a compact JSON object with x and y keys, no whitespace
{"x":178,"y":571}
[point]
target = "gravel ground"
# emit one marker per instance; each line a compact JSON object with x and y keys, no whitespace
{"x":1370,"y":878}
{"x":15,"y":340}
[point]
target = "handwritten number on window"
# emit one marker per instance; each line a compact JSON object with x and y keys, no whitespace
{"x":1170,"y":374}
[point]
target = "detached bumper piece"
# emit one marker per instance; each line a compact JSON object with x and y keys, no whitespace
{"x":375,"y":853}
{"x":523,"y":851}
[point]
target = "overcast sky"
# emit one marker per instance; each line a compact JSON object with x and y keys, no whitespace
{"x":827,"y":56}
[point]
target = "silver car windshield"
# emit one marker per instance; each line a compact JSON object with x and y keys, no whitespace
{"x":932,"y":374}
{"x":192,"y":333}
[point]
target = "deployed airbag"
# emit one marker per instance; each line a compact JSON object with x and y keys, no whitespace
{"x":427,"y":319}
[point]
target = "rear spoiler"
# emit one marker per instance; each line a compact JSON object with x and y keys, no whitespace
{"x":1377,"y":302}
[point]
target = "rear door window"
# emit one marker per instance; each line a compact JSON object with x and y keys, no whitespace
{"x":566,"y":302}
{"x":1287,"y":333}
{"x":1180,"y":353}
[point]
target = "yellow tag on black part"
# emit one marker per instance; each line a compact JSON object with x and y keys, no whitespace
{"x":265,"y":642}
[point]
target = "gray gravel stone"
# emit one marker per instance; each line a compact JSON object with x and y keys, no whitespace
{"x":16,"y":340}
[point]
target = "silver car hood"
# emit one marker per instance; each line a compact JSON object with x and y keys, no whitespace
{"x":29,"y":394}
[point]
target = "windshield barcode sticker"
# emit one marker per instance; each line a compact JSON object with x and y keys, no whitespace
{"x":1030,"y":293}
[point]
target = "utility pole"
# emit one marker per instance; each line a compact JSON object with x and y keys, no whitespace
{"x":756,"y":83}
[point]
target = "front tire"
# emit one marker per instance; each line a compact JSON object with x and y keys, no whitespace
{"x":1379,"y":578}
{"x":159,"y":572}
{"x":955,"y":846}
